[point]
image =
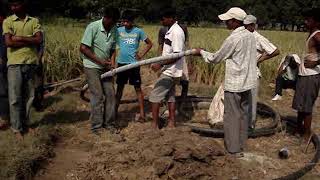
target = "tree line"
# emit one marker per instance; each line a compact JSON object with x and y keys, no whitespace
{"x":270,"y":13}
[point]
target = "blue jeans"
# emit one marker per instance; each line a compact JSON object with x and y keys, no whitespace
{"x":102,"y":99}
{"x":21,"y":94}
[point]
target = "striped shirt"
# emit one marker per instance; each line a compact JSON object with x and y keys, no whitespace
{"x":240,"y":52}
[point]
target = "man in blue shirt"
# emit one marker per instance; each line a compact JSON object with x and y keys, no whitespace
{"x":129,"y":38}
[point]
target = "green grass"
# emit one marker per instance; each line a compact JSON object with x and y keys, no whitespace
{"x":62,"y":59}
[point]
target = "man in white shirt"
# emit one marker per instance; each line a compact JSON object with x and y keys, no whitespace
{"x":172,"y":69}
{"x":266,"y":50}
{"x":239,"y":51}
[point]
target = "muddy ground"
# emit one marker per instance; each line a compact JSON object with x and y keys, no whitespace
{"x":139,"y":152}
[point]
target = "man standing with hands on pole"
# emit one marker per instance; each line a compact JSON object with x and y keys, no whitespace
{"x":172,"y":69}
{"x":239,"y":51}
{"x":98,"y":53}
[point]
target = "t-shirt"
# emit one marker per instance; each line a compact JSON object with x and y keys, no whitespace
{"x":100,"y":42}
{"x":21,"y":27}
{"x":128,"y":41}
{"x":161,"y":36}
{"x":174,"y":43}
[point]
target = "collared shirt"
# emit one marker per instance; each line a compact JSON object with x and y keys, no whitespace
{"x":128,"y":41}
{"x":174,"y":43}
{"x":100,"y":42}
{"x":21,"y":27}
{"x":263,"y":45}
{"x":240,"y":52}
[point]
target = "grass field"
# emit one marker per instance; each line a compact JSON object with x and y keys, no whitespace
{"x":62,"y":59}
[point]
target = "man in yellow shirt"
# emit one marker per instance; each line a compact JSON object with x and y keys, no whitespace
{"x":22,"y":36}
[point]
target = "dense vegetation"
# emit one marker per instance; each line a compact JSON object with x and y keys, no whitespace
{"x":286,"y":13}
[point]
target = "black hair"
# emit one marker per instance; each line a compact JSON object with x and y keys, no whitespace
{"x":168,"y":12}
{"x":128,"y":15}
{"x":112,"y":13}
{"x":313,"y":13}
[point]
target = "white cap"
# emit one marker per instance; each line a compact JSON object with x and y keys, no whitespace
{"x":250,"y":19}
{"x":233,"y":13}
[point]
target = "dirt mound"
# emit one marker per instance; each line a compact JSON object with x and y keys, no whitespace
{"x":143,"y":153}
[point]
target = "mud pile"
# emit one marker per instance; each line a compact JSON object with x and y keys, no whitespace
{"x":139,"y":152}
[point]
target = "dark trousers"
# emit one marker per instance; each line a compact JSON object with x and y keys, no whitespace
{"x":4,"y":101}
{"x":102,"y":99}
{"x":282,"y":83}
{"x":235,"y":120}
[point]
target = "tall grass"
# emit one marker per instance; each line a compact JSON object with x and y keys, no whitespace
{"x":63,"y":59}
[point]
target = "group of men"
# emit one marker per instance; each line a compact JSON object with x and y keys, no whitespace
{"x":239,"y":51}
{"x":242,"y":51}
{"x":98,"y":49}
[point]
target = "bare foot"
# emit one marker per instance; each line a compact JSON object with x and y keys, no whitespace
{"x":3,"y":125}
{"x":155,"y":125}
{"x":171,"y":125}
{"x":19,"y":136}
{"x":32,"y":131}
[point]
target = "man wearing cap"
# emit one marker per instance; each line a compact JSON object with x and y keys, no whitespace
{"x":239,"y":51}
{"x":266,"y":50}
{"x":22,"y":36}
{"x":172,"y":69}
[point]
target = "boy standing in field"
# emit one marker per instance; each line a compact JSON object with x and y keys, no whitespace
{"x":266,"y":50}
{"x":97,"y":49}
{"x":239,"y":51}
{"x":22,"y":36}
{"x":129,"y":38}
{"x":172,"y":69}
{"x":308,"y":82}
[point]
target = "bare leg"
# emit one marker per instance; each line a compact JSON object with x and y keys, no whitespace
{"x":141,"y":102}
{"x":119,"y":93}
{"x":155,"y":115}
{"x":307,"y":125}
{"x":172,"y":110}
{"x":300,"y":119}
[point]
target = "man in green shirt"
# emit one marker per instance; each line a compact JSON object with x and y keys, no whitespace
{"x":22,"y":36}
{"x":98,"y":53}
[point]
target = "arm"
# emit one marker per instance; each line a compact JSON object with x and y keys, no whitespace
{"x":13,"y":44}
{"x":266,"y":56}
{"x":310,"y":63}
{"x":281,"y":70}
{"x":160,"y":48}
{"x":33,"y":40}
{"x":146,"y":50}
{"x":84,"y":49}
{"x":223,"y":53}
{"x":113,"y":58}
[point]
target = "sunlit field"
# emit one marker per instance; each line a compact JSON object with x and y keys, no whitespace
{"x":62,"y":59}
